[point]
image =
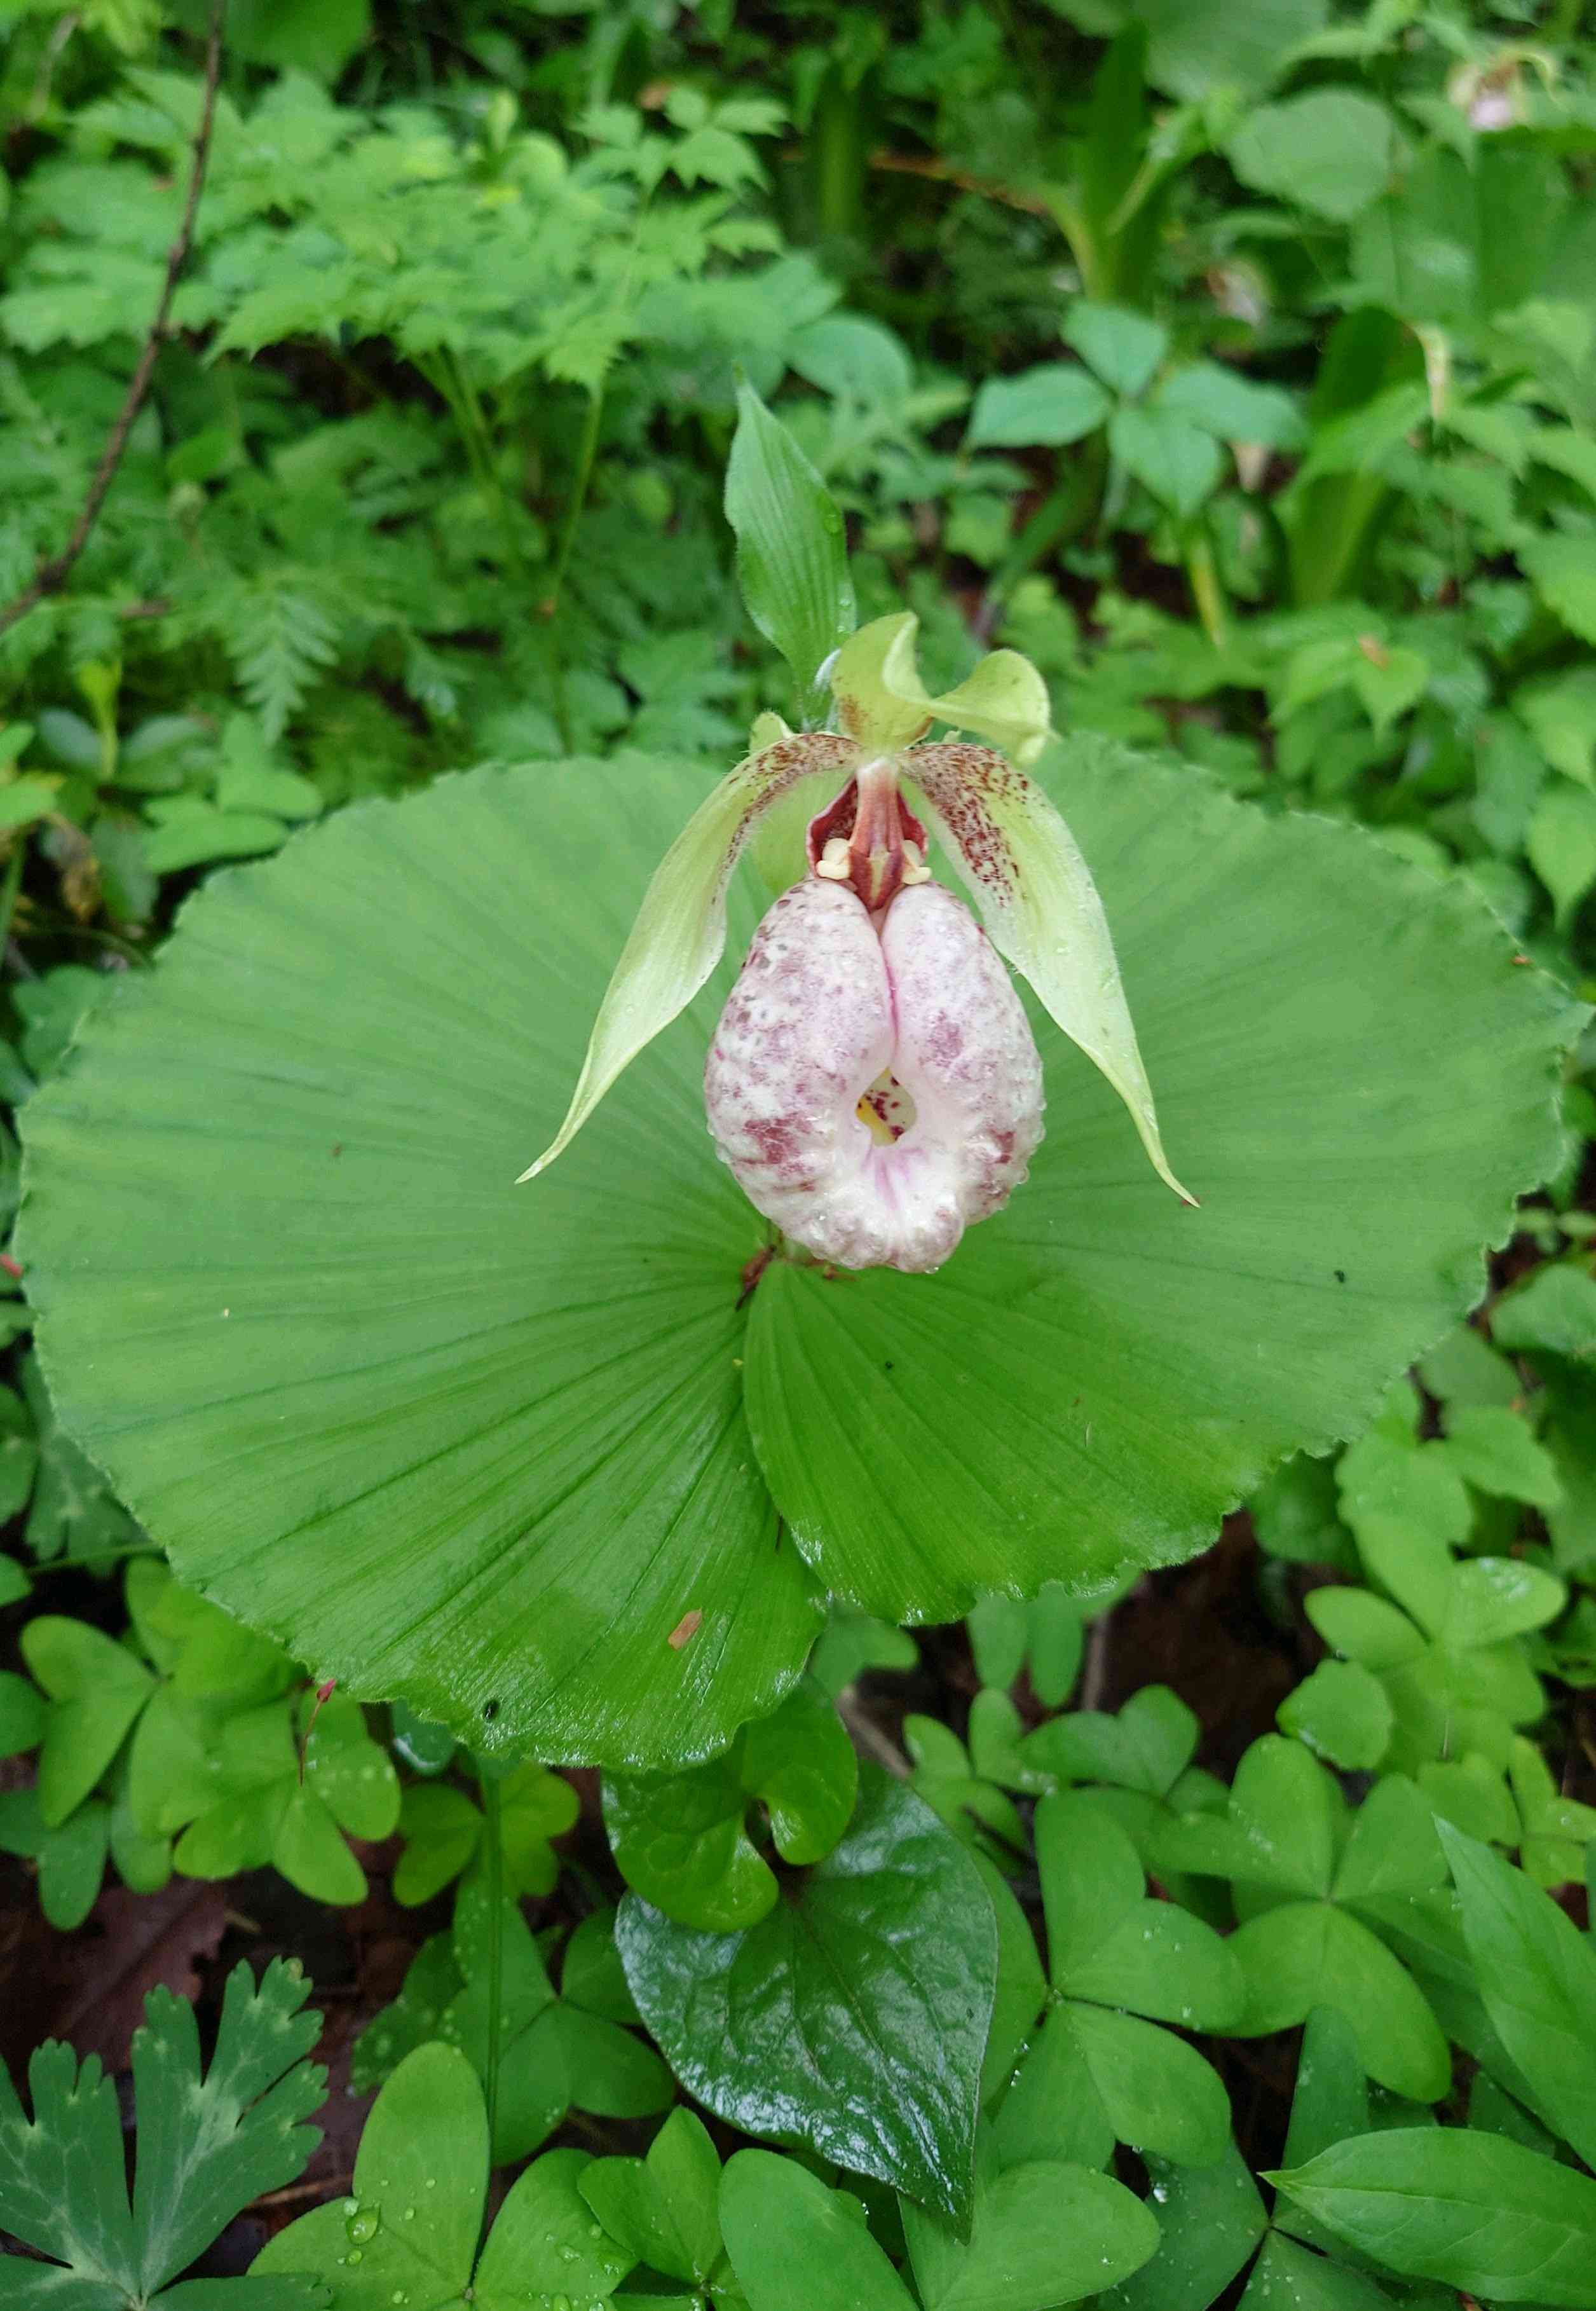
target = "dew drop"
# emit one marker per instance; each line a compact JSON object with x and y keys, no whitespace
{"x":362,"y":2225}
{"x":568,"y":2255}
{"x":355,"y":2256}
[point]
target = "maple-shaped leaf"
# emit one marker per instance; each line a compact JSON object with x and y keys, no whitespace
{"x":208,"y":2145}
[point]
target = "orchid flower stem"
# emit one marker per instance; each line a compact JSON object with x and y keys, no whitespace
{"x":492,"y":1848}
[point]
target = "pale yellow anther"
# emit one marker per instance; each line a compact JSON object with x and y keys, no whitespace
{"x":915,"y":869}
{"x":833,"y":862}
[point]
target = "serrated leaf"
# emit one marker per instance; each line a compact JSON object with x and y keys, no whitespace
{"x":207,"y":2145}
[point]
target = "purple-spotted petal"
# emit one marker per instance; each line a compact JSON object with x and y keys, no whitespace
{"x":1041,"y":906}
{"x":874,"y":1091}
{"x":680,"y":931}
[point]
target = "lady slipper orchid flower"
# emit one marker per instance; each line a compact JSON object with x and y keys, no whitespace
{"x":873,"y":1084}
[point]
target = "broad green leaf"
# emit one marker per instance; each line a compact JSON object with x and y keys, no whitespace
{"x":591,"y":1974}
{"x":1464,"y":1370}
{"x":22,"y":1714}
{"x":854,"y":2017}
{"x":425,"y":2148}
{"x":1562,"y":568}
{"x":1022,"y":1985}
{"x":1365,"y":1629}
{"x":409,"y":2233}
{"x":794,"y":2246}
{"x":499,"y":1489}
{"x":1333,"y":150}
{"x":352,"y":1774}
{"x":801,"y":1763}
{"x":1147,"y":1747}
{"x":1108,"y":1944}
{"x":1562,"y":846}
{"x":1157,"y":2093}
{"x":544,"y":2243}
{"x":1198,"y":47}
{"x":1554,"y":1310}
{"x":1231,"y":407}
{"x":97,"y":1688}
{"x":1341,"y":1712}
{"x":441,"y":1828}
{"x":433,"y":1441}
{"x":1211,"y":2218}
{"x":1052,"y":2110}
{"x":1123,"y":347}
{"x":680,"y":1840}
{"x":308,"y":1847}
{"x":792,"y":553}
{"x":1056,"y":1301}
{"x":1308,"y":2282}
{"x":1288,"y":1811}
{"x":1391,"y":1847}
{"x":1050,"y":406}
{"x":1041,"y":2235}
{"x":1474,"y":2211}
{"x":534,"y":1806}
{"x":1308,"y":1954}
{"x":1330,"y":2098}
{"x":663,"y":2208}
{"x":1179,"y":462}
{"x":1536,"y":1975}
{"x":1494,"y":1598}
{"x":1495,"y":1450}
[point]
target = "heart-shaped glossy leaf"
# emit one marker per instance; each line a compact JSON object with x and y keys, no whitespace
{"x":854,"y":2017}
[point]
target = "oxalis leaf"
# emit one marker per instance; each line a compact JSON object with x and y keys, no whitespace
{"x":854,"y":2017}
{"x":487,"y":1450}
{"x":407,"y":2235}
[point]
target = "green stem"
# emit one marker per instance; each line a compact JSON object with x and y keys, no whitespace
{"x":587,"y":451}
{"x":12,"y":885}
{"x":1202,"y":575}
{"x":492,"y":1842}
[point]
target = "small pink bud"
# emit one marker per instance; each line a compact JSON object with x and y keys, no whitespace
{"x":873,"y":1084}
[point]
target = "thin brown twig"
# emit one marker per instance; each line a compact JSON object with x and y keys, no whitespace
{"x":330,"y":2186}
{"x":53,"y":574}
{"x":869,"y":1737}
{"x":942,"y":172}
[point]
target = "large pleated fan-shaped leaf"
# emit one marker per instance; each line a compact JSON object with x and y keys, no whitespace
{"x":536,"y":1459}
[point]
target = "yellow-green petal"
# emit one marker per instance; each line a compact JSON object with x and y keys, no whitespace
{"x":881,"y":702}
{"x":1042,"y":909}
{"x":680,"y":930}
